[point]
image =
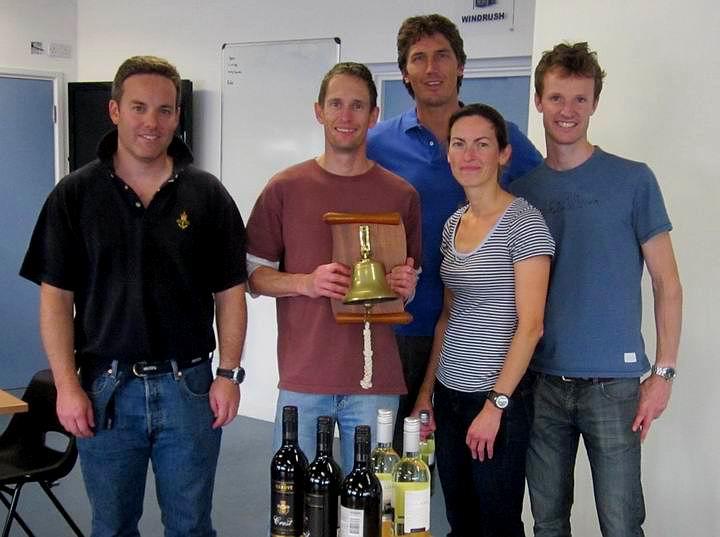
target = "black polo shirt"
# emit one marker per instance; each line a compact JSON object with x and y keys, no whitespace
{"x":143,"y":278}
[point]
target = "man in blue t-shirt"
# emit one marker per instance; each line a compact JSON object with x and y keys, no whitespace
{"x":431,"y":59}
{"x":608,"y":219}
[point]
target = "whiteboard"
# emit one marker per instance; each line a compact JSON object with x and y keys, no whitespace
{"x":267,"y":124}
{"x":267,"y":120}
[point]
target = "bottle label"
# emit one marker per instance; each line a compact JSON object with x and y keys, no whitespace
{"x":412,"y":507}
{"x":388,"y":491}
{"x":282,"y":519}
{"x":317,"y":515}
{"x":351,"y":522}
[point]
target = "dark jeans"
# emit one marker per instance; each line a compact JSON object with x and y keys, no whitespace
{"x":482,"y":499}
{"x":414,"y":355}
{"x":602,"y":412}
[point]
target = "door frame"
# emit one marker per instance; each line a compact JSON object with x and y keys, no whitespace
{"x":59,"y":113}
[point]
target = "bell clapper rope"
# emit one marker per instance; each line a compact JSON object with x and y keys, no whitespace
{"x":366,"y":382}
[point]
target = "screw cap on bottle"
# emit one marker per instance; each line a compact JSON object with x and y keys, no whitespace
{"x":411,"y":425}
{"x":384,"y":415}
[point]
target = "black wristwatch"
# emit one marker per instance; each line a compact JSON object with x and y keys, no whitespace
{"x":237,"y":375}
{"x":500,"y":400}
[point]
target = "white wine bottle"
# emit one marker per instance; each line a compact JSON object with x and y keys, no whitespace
{"x":383,"y":460}
{"x":411,"y":479}
{"x":427,"y":447}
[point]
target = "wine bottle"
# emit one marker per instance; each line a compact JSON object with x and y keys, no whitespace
{"x":361,"y":493}
{"x":322,"y":485}
{"x":384,"y":458}
{"x":287,"y":473}
{"x":411,"y":478}
{"x":427,"y":447}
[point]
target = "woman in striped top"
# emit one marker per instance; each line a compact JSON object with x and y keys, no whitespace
{"x":496,"y":262}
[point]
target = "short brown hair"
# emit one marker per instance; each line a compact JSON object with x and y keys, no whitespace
{"x":145,"y":65}
{"x":358,"y":70}
{"x":573,"y":60}
{"x":415,"y":28}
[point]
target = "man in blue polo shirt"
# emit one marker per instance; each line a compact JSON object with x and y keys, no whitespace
{"x":414,"y":146}
{"x":608,"y":219}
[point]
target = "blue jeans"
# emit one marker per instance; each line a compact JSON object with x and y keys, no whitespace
{"x":346,"y":410}
{"x":165,"y":419}
{"x":602,"y":412}
{"x":482,"y":499}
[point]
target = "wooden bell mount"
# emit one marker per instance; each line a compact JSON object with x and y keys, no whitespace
{"x":388,"y":249}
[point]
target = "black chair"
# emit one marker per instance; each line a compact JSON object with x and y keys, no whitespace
{"x":26,"y":457}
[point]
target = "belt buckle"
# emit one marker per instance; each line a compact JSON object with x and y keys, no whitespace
{"x":138,"y":369}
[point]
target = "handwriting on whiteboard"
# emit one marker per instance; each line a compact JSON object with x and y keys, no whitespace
{"x":232,"y":71}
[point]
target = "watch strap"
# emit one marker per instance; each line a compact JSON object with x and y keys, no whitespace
{"x":236,"y":375}
{"x":668,"y":373}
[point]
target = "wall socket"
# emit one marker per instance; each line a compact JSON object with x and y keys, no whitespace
{"x":59,"y":50}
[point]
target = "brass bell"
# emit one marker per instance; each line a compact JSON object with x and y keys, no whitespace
{"x":368,"y":286}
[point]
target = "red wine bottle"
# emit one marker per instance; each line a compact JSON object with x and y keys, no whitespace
{"x":322,"y":485}
{"x":287,"y":473}
{"x":361,"y":493}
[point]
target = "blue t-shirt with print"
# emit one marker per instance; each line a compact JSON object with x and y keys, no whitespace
{"x":403,"y":146}
{"x":600,"y":214}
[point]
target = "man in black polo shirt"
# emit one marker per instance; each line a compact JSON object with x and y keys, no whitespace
{"x":145,"y":249}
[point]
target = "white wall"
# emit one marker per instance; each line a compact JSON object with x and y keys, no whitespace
{"x":191,"y":32}
{"x":660,"y":105}
{"x":46,"y":21}
{"x":22,"y":21}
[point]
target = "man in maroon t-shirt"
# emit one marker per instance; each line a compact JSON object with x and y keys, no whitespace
{"x":290,"y":258}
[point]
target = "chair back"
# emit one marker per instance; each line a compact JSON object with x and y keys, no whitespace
{"x":27,"y":433}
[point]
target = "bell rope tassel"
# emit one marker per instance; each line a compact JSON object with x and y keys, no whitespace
{"x":366,"y":381}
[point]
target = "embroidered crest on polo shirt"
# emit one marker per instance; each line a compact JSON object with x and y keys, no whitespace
{"x":183,"y":222}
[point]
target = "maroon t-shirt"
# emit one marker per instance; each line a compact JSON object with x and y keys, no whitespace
{"x":315,"y":353}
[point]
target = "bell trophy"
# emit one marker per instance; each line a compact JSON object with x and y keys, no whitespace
{"x":369,"y":298}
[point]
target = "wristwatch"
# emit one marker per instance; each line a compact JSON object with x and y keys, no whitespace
{"x":237,"y":375}
{"x":668,"y":373}
{"x":500,"y":400}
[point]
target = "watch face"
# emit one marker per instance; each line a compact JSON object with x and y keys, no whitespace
{"x":501,"y":401}
{"x":239,"y":375}
{"x":668,"y":373}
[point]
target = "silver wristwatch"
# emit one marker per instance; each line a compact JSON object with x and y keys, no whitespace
{"x":668,"y":373}
{"x":500,"y":400}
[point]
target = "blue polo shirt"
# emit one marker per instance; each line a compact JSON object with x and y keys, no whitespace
{"x":403,"y":146}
